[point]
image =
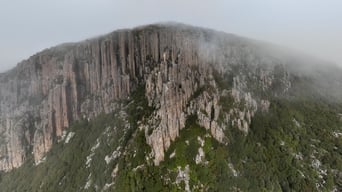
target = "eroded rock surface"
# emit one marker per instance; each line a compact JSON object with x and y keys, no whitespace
{"x":177,"y":64}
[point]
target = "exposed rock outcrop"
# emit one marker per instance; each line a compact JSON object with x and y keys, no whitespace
{"x":44,"y":94}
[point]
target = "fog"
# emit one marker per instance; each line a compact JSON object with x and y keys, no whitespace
{"x":310,"y":26}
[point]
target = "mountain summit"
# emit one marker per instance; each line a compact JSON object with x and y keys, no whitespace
{"x":170,"y":107}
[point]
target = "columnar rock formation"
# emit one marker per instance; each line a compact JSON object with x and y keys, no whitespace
{"x":45,"y":93}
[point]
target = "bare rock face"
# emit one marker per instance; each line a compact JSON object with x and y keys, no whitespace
{"x":44,"y":94}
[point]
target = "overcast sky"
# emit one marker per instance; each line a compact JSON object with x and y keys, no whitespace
{"x":28,"y":26}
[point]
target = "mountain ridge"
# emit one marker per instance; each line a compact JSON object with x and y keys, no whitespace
{"x":176,"y":72}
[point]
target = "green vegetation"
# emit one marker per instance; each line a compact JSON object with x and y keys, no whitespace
{"x":279,"y":151}
{"x":65,"y":166}
{"x":224,"y":81}
{"x":292,"y":147}
{"x":139,"y":174}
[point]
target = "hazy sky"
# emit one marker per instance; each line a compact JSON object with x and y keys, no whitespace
{"x":28,"y":26}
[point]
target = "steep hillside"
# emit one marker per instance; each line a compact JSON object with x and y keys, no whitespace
{"x":170,"y":107}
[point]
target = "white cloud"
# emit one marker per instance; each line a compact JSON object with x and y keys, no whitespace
{"x":30,"y":26}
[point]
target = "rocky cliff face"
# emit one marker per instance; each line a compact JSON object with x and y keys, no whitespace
{"x":180,"y":66}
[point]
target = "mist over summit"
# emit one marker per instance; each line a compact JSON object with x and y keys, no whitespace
{"x":170,"y":107}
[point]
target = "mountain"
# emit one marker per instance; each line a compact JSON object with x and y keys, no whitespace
{"x":171,"y":107}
